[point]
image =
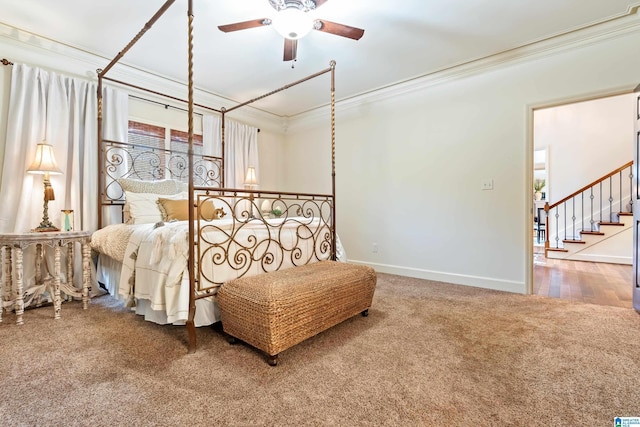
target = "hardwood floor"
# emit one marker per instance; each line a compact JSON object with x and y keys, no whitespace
{"x":595,"y":283}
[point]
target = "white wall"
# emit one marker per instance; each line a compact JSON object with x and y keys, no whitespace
{"x":410,"y":167}
{"x":272,"y":164}
{"x":585,"y":141}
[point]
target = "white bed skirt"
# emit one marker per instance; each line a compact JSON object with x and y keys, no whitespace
{"x":108,"y":274}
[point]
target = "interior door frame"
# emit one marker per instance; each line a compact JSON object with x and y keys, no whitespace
{"x":636,"y":208}
{"x":530,"y":147}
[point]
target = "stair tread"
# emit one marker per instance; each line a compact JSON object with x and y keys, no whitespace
{"x":574,"y":241}
{"x":557,"y":250}
{"x":611,"y":223}
{"x":625,"y":213}
{"x":595,"y":233}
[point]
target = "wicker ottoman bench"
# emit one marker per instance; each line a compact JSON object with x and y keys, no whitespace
{"x":277,"y":310}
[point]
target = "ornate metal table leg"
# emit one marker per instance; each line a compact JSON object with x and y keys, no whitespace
{"x":56,"y":282}
{"x":19,"y":302}
{"x":86,"y":259}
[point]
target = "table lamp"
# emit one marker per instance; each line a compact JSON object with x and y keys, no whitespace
{"x":45,"y":164}
{"x":250,"y":180}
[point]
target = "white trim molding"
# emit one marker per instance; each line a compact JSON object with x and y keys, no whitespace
{"x":439,"y":276}
{"x":617,"y":26}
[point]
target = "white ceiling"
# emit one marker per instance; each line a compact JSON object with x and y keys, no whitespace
{"x":402,"y":40}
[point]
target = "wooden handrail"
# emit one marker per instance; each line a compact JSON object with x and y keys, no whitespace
{"x":548,"y":207}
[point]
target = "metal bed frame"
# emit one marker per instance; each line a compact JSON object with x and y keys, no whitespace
{"x":205,"y":177}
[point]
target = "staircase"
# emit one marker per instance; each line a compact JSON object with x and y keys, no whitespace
{"x":594,"y":223}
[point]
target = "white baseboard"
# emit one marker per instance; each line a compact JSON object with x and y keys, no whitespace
{"x":458,"y":279}
{"x":602,"y":258}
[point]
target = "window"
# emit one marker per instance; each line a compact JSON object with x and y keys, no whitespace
{"x":180,"y":146}
{"x":147,"y":158}
{"x":151,"y":159}
{"x":180,"y":142}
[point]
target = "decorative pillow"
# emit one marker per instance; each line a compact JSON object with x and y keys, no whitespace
{"x":182,"y":186}
{"x":164,"y":186}
{"x":143,"y":207}
{"x":161,"y":187}
{"x":179,"y":210}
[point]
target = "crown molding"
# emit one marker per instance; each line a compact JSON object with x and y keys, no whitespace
{"x":616,"y":27}
{"x":21,"y":46}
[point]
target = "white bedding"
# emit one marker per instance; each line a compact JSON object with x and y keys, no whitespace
{"x":154,"y":276}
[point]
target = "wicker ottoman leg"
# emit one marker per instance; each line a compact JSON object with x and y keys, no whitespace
{"x":365,"y":313}
{"x":273,"y":360}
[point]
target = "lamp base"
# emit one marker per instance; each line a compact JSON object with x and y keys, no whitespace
{"x":46,"y":226}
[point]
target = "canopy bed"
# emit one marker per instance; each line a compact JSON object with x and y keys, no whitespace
{"x":186,"y":233}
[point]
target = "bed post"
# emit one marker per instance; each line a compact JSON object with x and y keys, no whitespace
{"x":191,"y":329}
{"x":101,"y":73}
{"x":333,"y":158}
{"x":222,"y":183}
{"x":100,"y":151}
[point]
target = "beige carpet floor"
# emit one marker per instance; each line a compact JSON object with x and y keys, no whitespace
{"x":429,"y":353}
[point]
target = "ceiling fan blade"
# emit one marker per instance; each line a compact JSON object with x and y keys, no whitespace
{"x":290,"y":50}
{"x":244,"y":25}
{"x":320,"y":3}
{"x":339,"y":29}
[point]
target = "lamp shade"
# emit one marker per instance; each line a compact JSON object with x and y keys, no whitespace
{"x":250,"y":179}
{"x":292,"y":23}
{"x":44,"y":162}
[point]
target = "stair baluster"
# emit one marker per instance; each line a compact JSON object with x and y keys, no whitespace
{"x":557,"y":214}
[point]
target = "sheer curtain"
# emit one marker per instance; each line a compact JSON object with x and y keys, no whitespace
{"x":241,"y":148}
{"x":62,"y":110}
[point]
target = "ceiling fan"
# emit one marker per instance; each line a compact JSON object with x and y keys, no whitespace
{"x":293,"y":23}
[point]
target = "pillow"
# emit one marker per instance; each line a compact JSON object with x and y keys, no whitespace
{"x":182,"y":186}
{"x":173,"y":209}
{"x":143,"y":207}
{"x":164,"y":186}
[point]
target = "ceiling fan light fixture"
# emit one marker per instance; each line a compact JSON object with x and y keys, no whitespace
{"x":292,"y":23}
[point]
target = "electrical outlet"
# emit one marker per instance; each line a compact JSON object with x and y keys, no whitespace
{"x":487,"y":184}
{"x":374,"y":248}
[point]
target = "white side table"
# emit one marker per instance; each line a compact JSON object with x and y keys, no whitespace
{"x":12,"y":245}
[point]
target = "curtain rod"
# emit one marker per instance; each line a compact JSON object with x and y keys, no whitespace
{"x":158,"y":93}
{"x":6,"y":62}
{"x":166,"y":105}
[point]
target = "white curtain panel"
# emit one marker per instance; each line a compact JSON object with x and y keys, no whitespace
{"x":47,"y":106}
{"x":62,"y":110}
{"x":241,"y":148}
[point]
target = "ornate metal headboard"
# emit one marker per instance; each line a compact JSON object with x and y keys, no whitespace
{"x":136,"y":161}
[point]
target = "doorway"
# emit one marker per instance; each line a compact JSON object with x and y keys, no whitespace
{"x":573,"y":145}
